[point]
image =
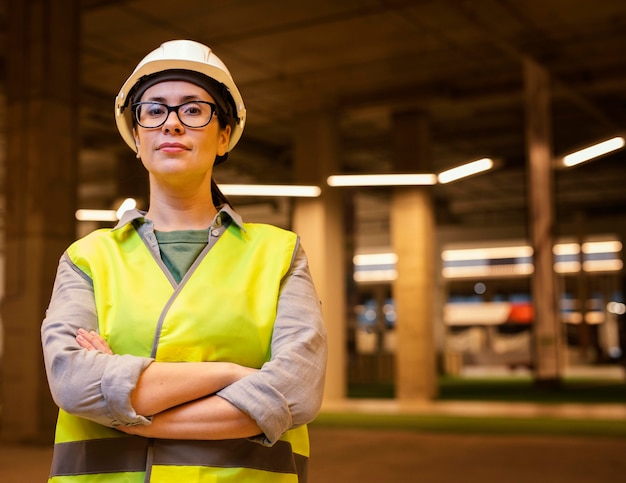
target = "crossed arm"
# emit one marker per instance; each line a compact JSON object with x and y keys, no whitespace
{"x":179,"y":398}
{"x":204,"y":400}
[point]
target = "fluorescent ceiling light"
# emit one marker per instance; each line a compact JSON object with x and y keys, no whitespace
{"x":612,"y":246}
{"x":567,"y":267}
{"x":465,"y":170}
{"x":375,"y":259}
{"x":382,"y":180}
{"x":423,"y":179}
{"x":96,"y":215}
{"x":593,"y":151}
{"x":106,"y":215}
{"x":375,"y":276}
{"x":566,"y":249}
{"x":270,"y":190}
{"x":602,"y":265}
{"x":606,"y":246}
{"x":488,"y":271}
{"x":468,"y":254}
{"x":227,"y":189}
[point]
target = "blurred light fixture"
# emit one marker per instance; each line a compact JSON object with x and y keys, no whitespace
{"x":127,"y":204}
{"x":106,"y":215}
{"x":375,"y":267}
{"x":382,"y":180}
{"x":411,"y":179}
{"x":375,"y":276}
{"x":594,"y":151}
{"x":617,"y":308}
{"x":506,"y":261}
{"x":563,"y":249}
{"x":485,"y":271}
{"x":227,"y":189}
{"x":611,"y":246}
{"x":375,"y":259}
{"x":270,"y":190}
{"x":491,"y":253}
{"x":610,"y":265}
{"x":597,"y":256}
{"x":567,"y":266}
{"x":503,"y":261}
{"x":95,"y":215}
{"x":480,"y":288}
{"x":465,"y":170}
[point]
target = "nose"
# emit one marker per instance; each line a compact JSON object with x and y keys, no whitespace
{"x":172,"y":123}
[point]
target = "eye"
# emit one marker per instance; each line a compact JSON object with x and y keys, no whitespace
{"x":193,"y":109}
{"x":154,"y":110}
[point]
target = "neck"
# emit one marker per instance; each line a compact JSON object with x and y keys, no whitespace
{"x":181,"y":210}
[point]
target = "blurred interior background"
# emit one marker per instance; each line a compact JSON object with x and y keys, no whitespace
{"x":461,"y":72}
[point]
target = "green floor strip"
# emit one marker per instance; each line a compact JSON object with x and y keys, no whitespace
{"x":494,"y":389}
{"x":476,"y":425}
{"x":519,"y":389}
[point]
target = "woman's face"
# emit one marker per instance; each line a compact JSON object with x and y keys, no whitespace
{"x":173,"y":149}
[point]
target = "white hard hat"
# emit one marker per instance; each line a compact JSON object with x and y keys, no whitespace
{"x":182,"y":55}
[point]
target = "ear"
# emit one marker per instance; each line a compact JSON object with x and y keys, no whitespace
{"x":136,"y":136}
{"x":223,"y":138}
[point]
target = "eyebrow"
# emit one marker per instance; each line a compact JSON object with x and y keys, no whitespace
{"x":190,"y":97}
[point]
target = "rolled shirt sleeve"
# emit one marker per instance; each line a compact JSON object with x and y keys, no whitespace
{"x":84,"y":383}
{"x":287,"y":391}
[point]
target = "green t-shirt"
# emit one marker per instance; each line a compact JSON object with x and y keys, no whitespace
{"x":179,"y":249}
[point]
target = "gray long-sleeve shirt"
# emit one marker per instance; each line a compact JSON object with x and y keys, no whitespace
{"x":285,"y":393}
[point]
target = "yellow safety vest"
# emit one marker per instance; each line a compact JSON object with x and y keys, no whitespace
{"x":224,"y":311}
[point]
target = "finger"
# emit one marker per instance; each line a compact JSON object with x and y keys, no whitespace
{"x":84,"y":343}
{"x":92,"y":341}
{"x":99,"y":343}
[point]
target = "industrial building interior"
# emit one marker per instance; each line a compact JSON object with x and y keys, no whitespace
{"x":460,"y":65}
{"x":458,"y":62}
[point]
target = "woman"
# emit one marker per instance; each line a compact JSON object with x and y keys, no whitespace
{"x":184,"y":344}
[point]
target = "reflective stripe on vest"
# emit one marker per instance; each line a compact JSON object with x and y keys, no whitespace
{"x":234,"y":285}
{"x":128,"y":454}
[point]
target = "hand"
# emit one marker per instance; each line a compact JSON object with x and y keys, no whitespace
{"x":92,"y":341}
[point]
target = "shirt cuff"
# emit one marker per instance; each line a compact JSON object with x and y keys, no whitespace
{"x":118,"y":381}
{"x":268,"y":408}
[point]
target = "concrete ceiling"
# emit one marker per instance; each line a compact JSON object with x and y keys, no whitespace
{"x":459,"y":62}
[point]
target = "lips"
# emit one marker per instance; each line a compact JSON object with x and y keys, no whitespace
{"x":172,"y":147}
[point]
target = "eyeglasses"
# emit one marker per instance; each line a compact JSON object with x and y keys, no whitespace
{"x":192,"y":114}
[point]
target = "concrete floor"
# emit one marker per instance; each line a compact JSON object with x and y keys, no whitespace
{"x":378,"y":456}
{"x":365,"y":456}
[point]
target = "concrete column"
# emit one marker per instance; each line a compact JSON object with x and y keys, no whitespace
{"x":547,"y":334}
{"x":413,"y":240}
{"x":42,"y":86}
{"x":319,"y":222}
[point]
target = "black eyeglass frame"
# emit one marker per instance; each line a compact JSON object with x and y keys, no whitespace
{"x":175,"y":109}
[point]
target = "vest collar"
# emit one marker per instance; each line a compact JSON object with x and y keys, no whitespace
{"x":224,"y":211}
